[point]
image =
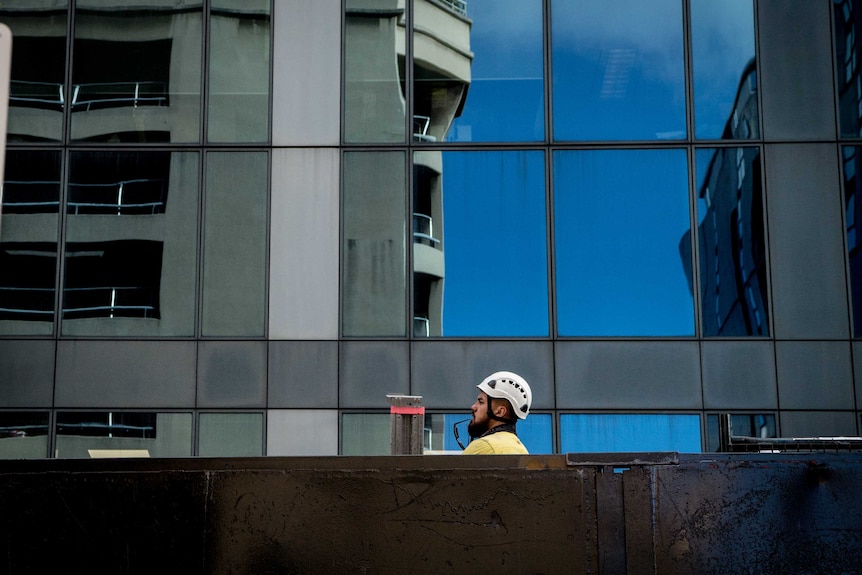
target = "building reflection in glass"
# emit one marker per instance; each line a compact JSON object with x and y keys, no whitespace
{"x":37,"y":93}
{"x":848,"y":24}
{"x":852,"y":160}
{"x":106,"y":434}
{"x":374,"y":99}
{"x":506,"y":74}
{"x":136,"y":71}
{"x":760,"y":425}
{"x":28,"y":242}
{"x":722,"y":39}
{"x":131,"y":243}
{"x":731,"y":239}
{"x":23,"y":435}
{"x":238,"y":94}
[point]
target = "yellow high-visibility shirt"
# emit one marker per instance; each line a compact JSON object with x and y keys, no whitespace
{"x":501,"y":443}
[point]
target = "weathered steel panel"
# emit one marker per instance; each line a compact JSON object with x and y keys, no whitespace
{"x":398,"y":521}
{"x":594,"y":513}
{"x":760,"y":514}
{"x":86,"y":523}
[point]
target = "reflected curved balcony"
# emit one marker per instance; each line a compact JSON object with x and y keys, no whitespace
{"x":427,"y":249}
{"x":423,"y":231}
{"x":118,"y":94}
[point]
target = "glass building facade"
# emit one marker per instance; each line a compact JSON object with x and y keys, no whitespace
{"x":232,"y":227}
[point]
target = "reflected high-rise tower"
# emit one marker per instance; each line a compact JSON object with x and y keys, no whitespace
{"x":376,"y":112}
{"x":731,"y":236}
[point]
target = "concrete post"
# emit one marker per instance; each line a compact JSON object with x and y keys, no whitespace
{"x":407,"y":423}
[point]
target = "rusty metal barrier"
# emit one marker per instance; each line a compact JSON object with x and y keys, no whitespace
{"x":653,"y":513}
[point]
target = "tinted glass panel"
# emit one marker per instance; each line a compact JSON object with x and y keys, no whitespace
{"x":621,"y":228}
{"x":29,"y":229}
{"x":479,"y":241}
{"x":23,"y":435}
{"x":852,"y":160}
{"x":234,"y":296}
{"x":131,"y":243}
{"x":374,"y":287}
{"x":37,"y":94}
{"x":618,"y":74}
{"x":605,"y":433}
{"x":484,"y":72}
{"x":365,"y":434}
{"x":374,"y":102}
{"x":238,"y":104}
{"x":230,"y":435}
{"x":535,"y":432}
{"x":123,"y":434}
{"x":136,"y":72}
{"x":732,"y":242}
{"x":746,"y":425}
{"x":848,"y":27}
{"x":725,"y":75}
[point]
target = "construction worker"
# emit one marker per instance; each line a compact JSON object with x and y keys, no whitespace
{"x":504,"y":398}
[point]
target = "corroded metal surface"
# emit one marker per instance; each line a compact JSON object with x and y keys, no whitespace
{"x":596,"y":513}
{"x":794,"y":514}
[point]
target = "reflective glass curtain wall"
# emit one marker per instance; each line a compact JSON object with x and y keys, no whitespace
{"x":629,"y":183}
{"x":112,"y":188}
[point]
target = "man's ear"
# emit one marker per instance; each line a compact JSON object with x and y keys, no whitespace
{"x":500,"y":409}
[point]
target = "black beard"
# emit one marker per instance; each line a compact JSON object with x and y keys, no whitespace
{"x":477,"y":429}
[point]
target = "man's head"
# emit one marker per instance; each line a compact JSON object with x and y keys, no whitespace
{"x":504,"y":397}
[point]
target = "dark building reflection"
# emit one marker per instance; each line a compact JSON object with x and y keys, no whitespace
{"x":28,"y":251}
{"x":852,"y":159}
{"x":847,"y":54}
{"x":731,"y":236}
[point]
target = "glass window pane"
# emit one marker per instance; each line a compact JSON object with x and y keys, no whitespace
{"x":745,"y":425}
{"x":374,"y":285}
{"x":136,"y":74}
{"x":365,"y":434}
{"x":131,"y":243}
{"x":374,"y":102}
{"x":230,"y":435}
{"x":608,"y":433}
{"x":480,"y":244}
{"x":619,"y":75}
{"x":234,"y":283}
{"x":123,"y":434}
{"x":479,"y":63}
{"x":852,"y":161}
{"x":621,"y":228}
{"x":848,"y":25}
{"x":38,"y":73}
{"x":725,"y":75}
{"x":29,"y":230}
{"x":732,"y":242}
{"x":535,"y":432}
{"x":238,"y":104}
{"x":23,"y":435}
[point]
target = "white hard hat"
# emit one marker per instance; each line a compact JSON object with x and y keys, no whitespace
{"x":511,"y":386}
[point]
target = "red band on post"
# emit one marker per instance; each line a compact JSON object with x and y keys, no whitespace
{"x":407,"y":410}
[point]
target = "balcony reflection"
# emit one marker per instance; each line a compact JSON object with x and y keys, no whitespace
{"x":131,"y":243}
{"x":136,"y":71}
{"x":29,"y":242}
{"x":37,"y":73}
